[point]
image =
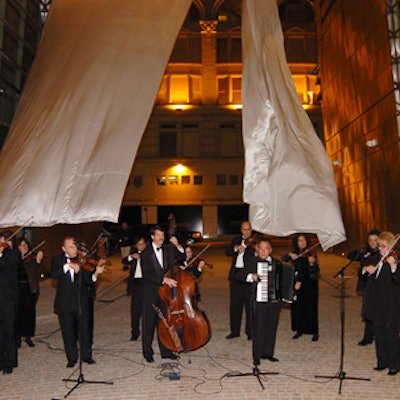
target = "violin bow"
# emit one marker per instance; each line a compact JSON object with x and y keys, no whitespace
{"x":19,"y":229}
{"x":33,"y":250}
{"x":387,"y":252}
{"x":309,"y":249}
{"x":198,"y":255}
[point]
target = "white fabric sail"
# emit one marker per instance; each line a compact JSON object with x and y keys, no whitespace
{"x":288,"y":180}
{"x":86,"y":103}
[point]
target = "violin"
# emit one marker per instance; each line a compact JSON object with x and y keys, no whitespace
{"x":251,"y":241}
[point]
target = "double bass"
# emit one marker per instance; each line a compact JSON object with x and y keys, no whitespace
{"x":185,"y":327}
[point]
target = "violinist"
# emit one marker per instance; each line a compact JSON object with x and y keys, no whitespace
{"x":240,"y":250}
{"x":304,"y":311}
{"x":157,"y":259}
{"x":28,"y":286}
{"x":195,"y":268}
{"x":368,"y":255}
{"x":382,"y":304}
{"x":134,"y":288}
{"x":10,"y":258}
{"x":71,"y":301}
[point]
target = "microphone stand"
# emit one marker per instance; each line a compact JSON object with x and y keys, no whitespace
{"x":80,"y":380}
{"x":341,"y":375}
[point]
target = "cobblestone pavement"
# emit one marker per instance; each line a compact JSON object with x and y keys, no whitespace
{"x":203,"y":373}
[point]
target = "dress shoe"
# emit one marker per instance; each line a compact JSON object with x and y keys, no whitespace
{"x":297,"y":335}
{"x":231,"y":336}
{"x":89,"y":360}
{"x":364,"y":342}
{"x":149,"y":359}
{"x":315,"y":337}
{"x":171,"y":356}
{"x":270,"y":358}
{"x":134,"y":338}
{"x":71,"y":364}
{"x":7,"y":370}
{"x":379,"y":368}
{"x":393,"y":372}
{"x":29,"y":342}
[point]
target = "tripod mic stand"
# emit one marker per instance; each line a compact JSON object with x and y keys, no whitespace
{"x":256,"y":371}
{"x":80,"y":380}
{"x":341,"y":375}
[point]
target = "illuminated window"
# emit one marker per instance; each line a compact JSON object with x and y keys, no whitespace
{"x":173,"y":179}
{"x":161,"y":180}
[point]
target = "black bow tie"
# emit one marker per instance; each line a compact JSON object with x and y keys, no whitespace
{"x":158,"y":248}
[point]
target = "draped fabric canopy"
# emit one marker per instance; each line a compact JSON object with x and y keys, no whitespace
{"x":85,"y":106}
{"x":288,"y":179}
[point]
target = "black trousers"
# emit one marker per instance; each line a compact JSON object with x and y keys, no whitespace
{"x":266,"y":317}
{"x":8,"y":345}
{"x":26,"y":315}
{"x":136,"y":306}
{"x":387,"y":347}
{"x":239,"y":297}
{"x":74,"y":329}
{"x":368,"y":331}
{"x":149,"y":323}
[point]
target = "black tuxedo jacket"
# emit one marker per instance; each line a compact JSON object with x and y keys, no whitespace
{"x":230,"y":252}
{"x":9,"y":263}
{"x":67,"y":295}
{"x":131,"y":277}
{"x":153,"y":273}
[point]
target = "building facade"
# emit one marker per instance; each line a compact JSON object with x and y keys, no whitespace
{"x":359,"y":58}
{"x":191,"y":154}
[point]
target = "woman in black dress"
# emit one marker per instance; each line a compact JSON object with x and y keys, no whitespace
{"x":28,"y":286}
{"x":304,"y":311}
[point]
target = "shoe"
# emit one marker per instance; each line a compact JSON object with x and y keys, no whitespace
{"x":89,"y":360}
{"x":364,"y":342}
{"x":134,"y":338}
{"x":391,"y":372}
{"x":149,"y":359}
{"x":315,"y":337}
{"x":380,"y":368}
{"x":297,"y":335}
{"x":171,"y":356}
{"x":231,"y":336}
{"x":271,"y":358}
{"x":71,"y":364}
{"x":7,"y":370}
{"x":29,"y":342}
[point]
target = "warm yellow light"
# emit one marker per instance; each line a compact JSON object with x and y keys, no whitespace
{"x":179,"y":168}
{"x":236,"y":107}
{"x":179,"y":107}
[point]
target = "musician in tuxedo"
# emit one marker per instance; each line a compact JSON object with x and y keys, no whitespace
{"x":71,"y":301}
{"x":157,"y":259}
{"x":9,"y":261}
{"x":368,"y":255}
{"x":134,"y":287}
{"x":239,"y":250}
{"x":382,"y":304}
{"x":265,"y":311}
